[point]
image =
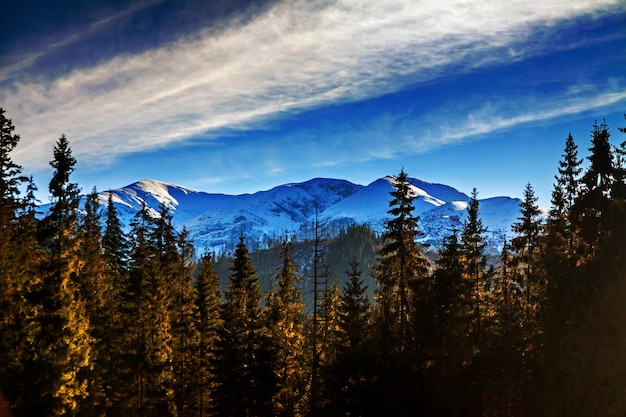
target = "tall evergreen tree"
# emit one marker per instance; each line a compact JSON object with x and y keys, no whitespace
{"x":518,"y":294}
{"x":582,"y":373}
{"x":64,"y":342}
{"x":526,"y":246}
{"x":348,"y":376}
{"x":511,"y":345}
{"x":354,"y":310}
{"x":320,"y":278}
{"x":114,"y":242}
{"x":401,"y":274}
{"x":95,"y":290}
{"x":476,"y":276}
{"x":116,"y":333}
{"x":558,"y":258}
{"x":402,"y":265}
{"x":449,"y":353}
{"x":10,"y":173}
{"x":148,"y":347}
{"x":184,"y":330}
{"x":285,"y":314}
{"x":209,"y":327}
{"x":246,"y":383}
{"x":569,"y":172}
{"x":20,"y":277}
{"x":592,"y":209}
{"x":10,"y":179}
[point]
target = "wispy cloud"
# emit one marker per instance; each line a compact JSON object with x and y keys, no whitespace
{"x":296,"y":56}
{"x":29,"y":58}
{"x":390,"y":136}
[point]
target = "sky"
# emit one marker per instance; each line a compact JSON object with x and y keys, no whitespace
{"x":234,"y":96}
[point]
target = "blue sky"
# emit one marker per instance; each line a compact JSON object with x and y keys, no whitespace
{"x":239,"y":96}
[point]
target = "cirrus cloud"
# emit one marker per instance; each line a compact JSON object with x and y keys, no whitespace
{"x":296,"y":56}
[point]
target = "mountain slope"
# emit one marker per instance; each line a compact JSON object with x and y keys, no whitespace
{"x":215,"y":221}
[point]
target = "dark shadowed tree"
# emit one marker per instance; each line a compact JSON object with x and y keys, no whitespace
{"x":348,"y":376}
{"x":20,"y":277}
{"x":401,"y":274}
{"x":209,"y":327}
{"x":285,"y":316}
{"x":246,"y":383}
{"x":477,"y":308}
{"x":64,"y":343}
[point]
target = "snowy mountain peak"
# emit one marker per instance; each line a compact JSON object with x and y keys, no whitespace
{"x":215,"y":221}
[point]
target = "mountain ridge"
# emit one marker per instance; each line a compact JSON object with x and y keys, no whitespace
{"x":215,"y":220}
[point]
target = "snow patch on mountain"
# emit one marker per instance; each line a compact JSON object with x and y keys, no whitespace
{"x":215,"y":221}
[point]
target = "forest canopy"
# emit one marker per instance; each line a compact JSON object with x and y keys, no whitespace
{"x":96,"y":321}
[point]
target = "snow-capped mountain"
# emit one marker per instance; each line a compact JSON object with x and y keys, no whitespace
{"x":215,"y":221}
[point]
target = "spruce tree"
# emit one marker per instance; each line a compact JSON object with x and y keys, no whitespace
{"x":285,"y":315}
{"x":185,"y":333}
{"x":10,"y":173}
{"x":558,"y":257}
{"x":96,"y":291}
{"x":401,"y":266}
{"x":209,"y":327}
{"x":114,"y":242}
{"x":511,"y":343}
{"x":526,"y":246}
{"x":21,"y":257}
{"x":519,"y":291}
{"x":354,"y":310}
{"x":449,"y":353}
{"x":148,"y":345}
{"x":401,"y":274}
{"x":246,"y":383}
{"x":582,"y":373}
{"x":477,"y":309}
{"x":64,"y":341}
{"x":347,"y":378}
{"x":569,"y":172}
{"x":592,"y":209}
{"x":115,"y":339}
{"x":10,"y":179}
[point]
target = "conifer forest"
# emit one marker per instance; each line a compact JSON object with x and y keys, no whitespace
{"x":101,"y":321}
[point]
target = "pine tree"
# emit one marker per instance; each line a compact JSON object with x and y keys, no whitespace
{"x":114,"y":242}
{"x":401,"y":264}
{"x":526,"y":246}
{"x":592,"y":209}
{"x":477,"y":281}
{"x":558,"y":258}
{"x":209,"y":327}
{"x":450,"y":335}
{"x":354,"y":311}
{"x":116,"y":333}
{"x":148,"y":345}
{"x":618,"y":194}
{"x":10,"y":285}
{"x":320,"y":277}
{"x":348,"y":376}
{"x":10,"y":173}
{"x":246,"y":382}
{"x":20,"y":259}
{"x":285,"y":315}
{"x":582,"y":373}
{"x":64,"y":342}
{"x":569,"y":172}
{"x":401,"y":274}
{"x":510,"y":338}
{"x":184,"y":330}
{"x":96,"y":291}
{"x":518,"y":295}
